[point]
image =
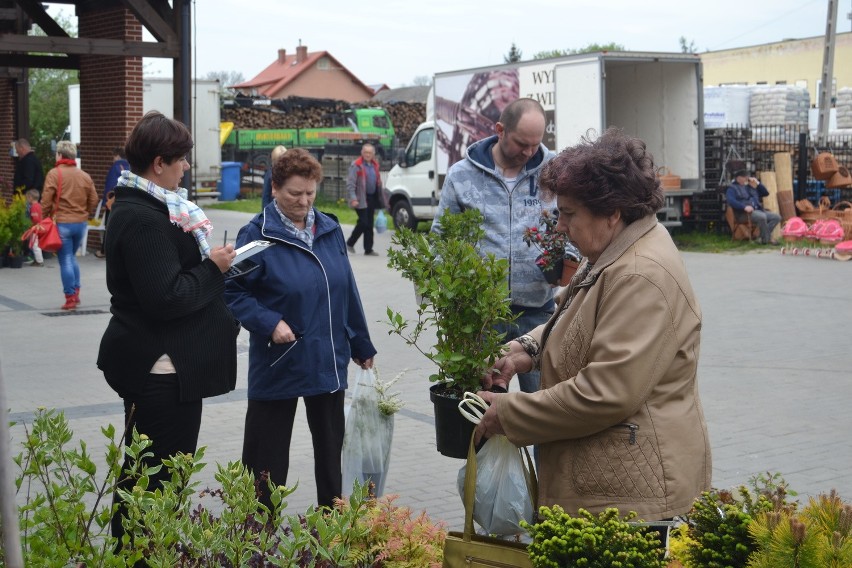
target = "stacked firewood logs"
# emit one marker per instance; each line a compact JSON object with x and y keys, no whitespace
{"x":404,"y":116}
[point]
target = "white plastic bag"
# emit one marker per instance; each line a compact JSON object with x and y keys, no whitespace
{"x":502,"y":497}
{"x":381,"y":222}
{"x":367,"y":441}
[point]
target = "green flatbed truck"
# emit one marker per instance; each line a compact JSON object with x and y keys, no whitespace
{"x":349,"y":131}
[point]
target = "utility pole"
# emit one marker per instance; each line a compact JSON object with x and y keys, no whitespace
{"x":8,"y":509}
{"x":827,"y":74}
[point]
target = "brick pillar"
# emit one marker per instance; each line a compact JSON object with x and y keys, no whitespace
{"x":110,"y":93}
{"x":7,"y":135}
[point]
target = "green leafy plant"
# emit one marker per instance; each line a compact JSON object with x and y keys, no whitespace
{"x":464,"y":295}
{"x":66,"y":515}
{"x":605,"y":540}
{"x":716,"y":533}
{"x":5,"y":230}
{"x":17,"y":222}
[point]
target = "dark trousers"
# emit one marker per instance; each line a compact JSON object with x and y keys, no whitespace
{"x":365,"y":223}
{"x":171,"y":425}
{"x":266,"y":445}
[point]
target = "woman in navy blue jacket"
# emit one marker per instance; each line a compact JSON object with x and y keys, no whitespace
{"x":306,"y":321}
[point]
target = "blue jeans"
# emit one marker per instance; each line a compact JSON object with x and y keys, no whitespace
{"x":529,"y":319}
{"x":69,"y":270}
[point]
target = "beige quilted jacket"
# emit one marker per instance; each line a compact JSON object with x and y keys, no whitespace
{"x":618,"y":419}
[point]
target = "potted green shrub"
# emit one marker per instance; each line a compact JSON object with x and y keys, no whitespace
{"x":18,"y":223}
{"x":593,"y":541}
{"x":462,"y":295}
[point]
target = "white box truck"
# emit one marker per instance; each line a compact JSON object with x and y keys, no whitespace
{"x":655,"y":96}
{"x":206,"y":115}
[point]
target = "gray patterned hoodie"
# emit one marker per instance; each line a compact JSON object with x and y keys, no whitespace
{"x":475,"y":183}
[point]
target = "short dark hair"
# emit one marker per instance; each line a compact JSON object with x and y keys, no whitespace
{"x":156,"y":135}
{"x":295,"y":162}
{"x":613,"y":173}
{"x":119,"y":151}
{"x":511,"y":115}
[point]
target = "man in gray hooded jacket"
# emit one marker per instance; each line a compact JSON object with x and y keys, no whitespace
{"x":499,"y":177}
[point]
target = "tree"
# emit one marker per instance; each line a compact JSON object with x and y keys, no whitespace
{"x":514,"y":54}
{"x":49,"y":114}
{"x":551,"y":53}
{"x":226,"y":79}
{"x":422,"y":81}
{"x":687,"y":47}
{"x":592,"y":47}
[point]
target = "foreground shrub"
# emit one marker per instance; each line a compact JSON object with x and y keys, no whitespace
{"x":65,"y":518}
{"x":819,"y":537}
{"x":591,"y":541}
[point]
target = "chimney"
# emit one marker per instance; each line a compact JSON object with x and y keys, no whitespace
{"x":301,"y":53}
{"x":282,"y":55}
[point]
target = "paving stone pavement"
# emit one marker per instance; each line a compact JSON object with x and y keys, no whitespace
{"x":774,"y":376}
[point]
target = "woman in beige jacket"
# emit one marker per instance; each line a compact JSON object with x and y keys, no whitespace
{"x":77,"y":199}
{"x":617,"y":419}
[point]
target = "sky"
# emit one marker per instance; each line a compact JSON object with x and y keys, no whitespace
{"x":396,"y":41}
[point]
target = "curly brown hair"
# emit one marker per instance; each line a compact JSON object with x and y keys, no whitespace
{"x":614,"y":172}
{"x":295,"y":162}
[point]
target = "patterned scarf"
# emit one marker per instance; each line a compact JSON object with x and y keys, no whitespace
{"x":183,"y":213}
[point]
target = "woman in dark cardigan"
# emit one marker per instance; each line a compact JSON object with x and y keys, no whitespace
{"x":171,"y":340}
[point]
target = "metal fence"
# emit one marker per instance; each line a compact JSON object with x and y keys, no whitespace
{"x":756,"y":145}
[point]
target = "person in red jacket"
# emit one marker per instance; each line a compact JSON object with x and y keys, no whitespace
{"x":34,"y":212}
{"x":366,"y":194}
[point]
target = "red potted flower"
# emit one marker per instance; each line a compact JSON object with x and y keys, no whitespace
{"x":559,"y":258}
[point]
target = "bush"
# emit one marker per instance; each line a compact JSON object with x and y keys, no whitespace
{"x":602,"y":541}
{"x":166,"y":529}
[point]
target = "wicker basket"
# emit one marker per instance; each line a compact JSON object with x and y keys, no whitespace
{"x":840,"y":178}
{"x":809,"y":213}
{"x":842,"y":211}
{"x":668,"y":180}
{"x":824,"y":166}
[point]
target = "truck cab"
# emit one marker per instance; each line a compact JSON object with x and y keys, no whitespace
{"x":413,"y":184}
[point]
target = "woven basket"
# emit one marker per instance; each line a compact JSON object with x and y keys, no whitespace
{"x":824,"y":166}
{"x":840,"y":178}
{"x":809,"y":213}
{"x":842,"y":211}
{"x":669,"y":180}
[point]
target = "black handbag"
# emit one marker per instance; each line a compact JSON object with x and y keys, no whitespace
{"x":467,"y":549}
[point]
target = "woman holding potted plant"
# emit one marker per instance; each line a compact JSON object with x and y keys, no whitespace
{"x":618,"y":421}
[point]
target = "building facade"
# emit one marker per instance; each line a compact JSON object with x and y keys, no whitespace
{"x":789,"y":62}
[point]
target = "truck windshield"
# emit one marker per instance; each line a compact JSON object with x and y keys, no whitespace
{"x":420,"y":148}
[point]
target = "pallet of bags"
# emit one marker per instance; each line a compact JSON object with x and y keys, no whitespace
{"x":779,"y":104}
{"x":843,"y":105}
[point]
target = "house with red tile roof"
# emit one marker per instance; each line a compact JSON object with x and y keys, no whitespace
{"x":316,"y":75}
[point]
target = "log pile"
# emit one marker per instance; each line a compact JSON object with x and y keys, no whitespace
{"x":260,"y":118}
{"x":404,"y":116}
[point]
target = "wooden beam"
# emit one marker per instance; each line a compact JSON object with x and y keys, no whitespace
{"x":39,"y":61}
{"x":149,"y":17}
{"x":35,"y":10}
{"x":9,"y":72}
{"x":83,"y":46}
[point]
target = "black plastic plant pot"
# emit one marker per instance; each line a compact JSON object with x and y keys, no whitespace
{"x":452,"y":430}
